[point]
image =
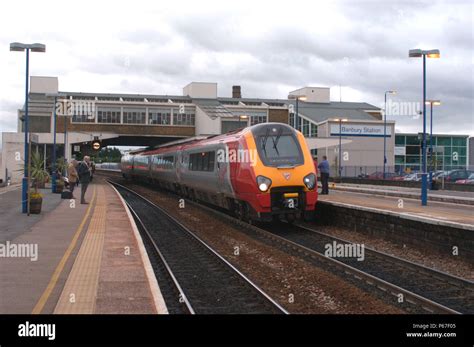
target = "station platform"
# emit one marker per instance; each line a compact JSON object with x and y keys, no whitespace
{"x":436,"y":212}
{"x":74,"y":258}
{"x":449,"y":196}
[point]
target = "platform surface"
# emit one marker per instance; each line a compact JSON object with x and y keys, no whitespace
{"x":409,"y":207}
{"x":90,"y":258}
{"x":460,"y":197}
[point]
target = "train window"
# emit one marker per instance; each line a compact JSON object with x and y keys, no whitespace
{"x":168,"y":162}
{"x":205,"y":161}
{"x":164,"y":162}
{"x":212,"y":159}
{"x":202,"y":161}
{"x":276,"y":147}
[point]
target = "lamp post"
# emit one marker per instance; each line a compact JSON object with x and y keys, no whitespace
{"x":302,"y":98}
{"x":53,"y":159}
{"x":385,"y":130}
{"x":340,"y":120}
{"x":243,"y":116}
{"x":417,"y":53}
{"x":431,"y":103}
{"x":20,"y":47}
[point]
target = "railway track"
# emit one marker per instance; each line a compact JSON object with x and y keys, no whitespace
{"x":193,"y":277}
{"x":454,"y":294}
{"x":420,"y":289}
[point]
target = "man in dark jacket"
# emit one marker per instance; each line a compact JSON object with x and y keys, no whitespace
{"x":324,"y":170}
{"x":84,"y":172}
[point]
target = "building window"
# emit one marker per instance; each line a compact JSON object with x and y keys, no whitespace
{"x":161,"y":116}
{"x":314,"y":130}
{"x":399,"y":140}
{"x":108,"y":115}
{"x":412,"y":140}
{"x":185,"y":118}
{"x":399,"y":159}
{"x":443,"y":141}
{"x":291,"y":121}
{"x":83,"y":118}
{"x":413,"y":150}
{"x":459,"y":141}
{"x":134,"y":116}
{"x":39,"y":124}
{"x":256,"y":117}
{"x":202,"y":161}
{"x":305,"y":127}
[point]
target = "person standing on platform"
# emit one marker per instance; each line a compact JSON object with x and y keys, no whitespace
{"x":324,"y":170}
{"x":72,"y":176}
{"x":315,"y":162}
{"x":84,"y":172}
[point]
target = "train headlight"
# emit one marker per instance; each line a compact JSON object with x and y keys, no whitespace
{"x":263,"y":183}
{"x":310,"y":181}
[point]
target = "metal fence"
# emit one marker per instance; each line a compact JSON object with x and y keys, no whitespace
{"x":397,"y":172}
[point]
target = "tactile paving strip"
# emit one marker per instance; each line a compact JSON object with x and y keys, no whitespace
{"x":79,"y":292}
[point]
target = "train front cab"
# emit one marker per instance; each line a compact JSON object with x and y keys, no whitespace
{"x":284,"y":175}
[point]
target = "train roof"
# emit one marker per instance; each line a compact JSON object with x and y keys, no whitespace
{"x":184,"y":143}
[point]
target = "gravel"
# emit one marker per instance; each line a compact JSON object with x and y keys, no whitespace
{"x":297,"y":285}
{"x":427,"y":256}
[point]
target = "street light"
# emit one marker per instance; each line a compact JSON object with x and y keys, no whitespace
{"x":431,"y":103}
{"x":393,"y":92}
{"x":20,"y":47}
{"x":340,"y":120}
{"x":418,"y":53}
{"x":53,"y":156}
{"x":243,"y":116}
{"x":297,"y":98}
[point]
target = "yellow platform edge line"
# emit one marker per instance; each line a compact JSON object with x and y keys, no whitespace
{"x":87,"y":263}
{"x":59,"y":268}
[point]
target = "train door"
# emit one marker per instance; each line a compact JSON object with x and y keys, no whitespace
{"x":223,"y":171}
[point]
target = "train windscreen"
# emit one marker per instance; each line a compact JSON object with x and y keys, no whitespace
{"x":279,"y":148}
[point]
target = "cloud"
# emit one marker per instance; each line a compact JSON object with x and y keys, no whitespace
{"x":268,"y":49}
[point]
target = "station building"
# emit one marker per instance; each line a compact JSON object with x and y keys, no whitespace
{"x":149,"y":120}
{"x":449,"y":152}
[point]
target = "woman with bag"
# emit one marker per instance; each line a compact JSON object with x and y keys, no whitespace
{"x":72,"y":176}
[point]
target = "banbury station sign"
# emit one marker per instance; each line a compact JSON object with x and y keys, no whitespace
{"x":360,"y":130}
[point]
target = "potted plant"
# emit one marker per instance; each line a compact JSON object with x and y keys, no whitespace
{"x":36,"y":200}
{"x":37,"y":163}
{"x":61,"y":167}
{"x":39,"y":175}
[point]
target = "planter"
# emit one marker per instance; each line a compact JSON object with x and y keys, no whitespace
{"x":35,"y":205}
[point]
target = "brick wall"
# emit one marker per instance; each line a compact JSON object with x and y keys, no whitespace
{"x":278,"y":116}
{"x":398,"y":230}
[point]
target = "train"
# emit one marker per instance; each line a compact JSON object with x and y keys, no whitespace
{"x":262,"y":173}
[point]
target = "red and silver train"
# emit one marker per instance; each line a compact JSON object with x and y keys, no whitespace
{"x":261,"y":173}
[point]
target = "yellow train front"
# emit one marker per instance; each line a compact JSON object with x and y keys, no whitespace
{"x":280,"y":181}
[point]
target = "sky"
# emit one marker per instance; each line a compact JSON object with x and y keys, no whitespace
{"x":357,"y":48}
